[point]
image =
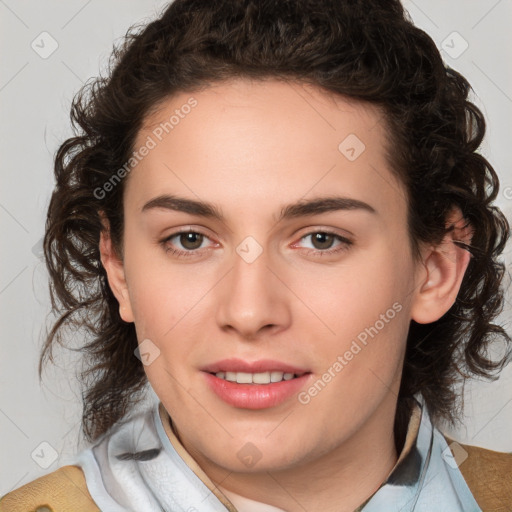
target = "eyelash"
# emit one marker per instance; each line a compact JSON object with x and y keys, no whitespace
{"x":345,"y":244}
{"x":178,"y":252}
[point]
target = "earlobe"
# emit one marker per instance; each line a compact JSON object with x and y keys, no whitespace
{"x":115,"y":272}
{"x":444,"y":267}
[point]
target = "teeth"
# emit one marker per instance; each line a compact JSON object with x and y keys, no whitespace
{"x":231,"y":376}
{"x":254,"y":378}
{"x":261,"y":378}
{"x":243,"y":378}
{"x":276,"y":376}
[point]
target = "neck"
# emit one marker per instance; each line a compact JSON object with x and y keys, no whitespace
{"x":339,"y":480}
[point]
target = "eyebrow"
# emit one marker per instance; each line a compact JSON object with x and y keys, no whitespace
{"x":301,"y":208}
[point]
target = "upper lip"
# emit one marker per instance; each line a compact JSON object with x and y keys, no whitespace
{"x":262,"y":365}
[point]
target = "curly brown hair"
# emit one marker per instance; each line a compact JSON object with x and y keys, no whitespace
{"x":366,"y":50}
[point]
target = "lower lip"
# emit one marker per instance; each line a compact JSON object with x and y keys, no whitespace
{"x":255,"y":396}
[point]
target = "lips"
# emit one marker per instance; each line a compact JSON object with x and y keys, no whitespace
{"x":255,"y":378}
{"x":255,"y":385}
{"x":260,"y":366}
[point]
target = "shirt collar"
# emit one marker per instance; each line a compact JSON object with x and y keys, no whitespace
{"x":404,"y":468}
{"x":191,"y":463}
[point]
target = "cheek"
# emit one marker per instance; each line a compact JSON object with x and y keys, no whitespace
{"x":162,"y":295}
{"x":359,"y":363}
{"x":368,"y":292}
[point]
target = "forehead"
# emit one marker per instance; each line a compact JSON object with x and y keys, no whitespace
{"x":263,"y":140}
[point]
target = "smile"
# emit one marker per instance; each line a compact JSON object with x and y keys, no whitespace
{"x":245,"y":395}
{"x":255,"y":378}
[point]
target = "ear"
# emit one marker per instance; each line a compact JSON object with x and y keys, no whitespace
{"x":115,"y":271}
{"x":442,"y":270}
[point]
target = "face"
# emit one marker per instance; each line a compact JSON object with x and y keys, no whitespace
{"x":266,"y":240}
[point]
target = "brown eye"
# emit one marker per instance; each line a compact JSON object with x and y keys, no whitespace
{"x":324,"y":243}
{"x":322,"y":240}
{"x":191,"y":240}
{"x":187,"y":244}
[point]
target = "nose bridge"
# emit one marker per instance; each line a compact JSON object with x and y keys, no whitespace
{"x":252,"y":297}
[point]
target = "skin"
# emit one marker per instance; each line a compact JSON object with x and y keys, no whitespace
{"x":251,"y":148}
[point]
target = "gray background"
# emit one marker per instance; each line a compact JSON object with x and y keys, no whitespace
{"x":39,"y":423}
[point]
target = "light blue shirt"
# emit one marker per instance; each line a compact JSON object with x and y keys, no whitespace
{"x":135,"y":467}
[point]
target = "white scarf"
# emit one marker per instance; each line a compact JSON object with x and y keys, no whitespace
{"x":135,"y":467}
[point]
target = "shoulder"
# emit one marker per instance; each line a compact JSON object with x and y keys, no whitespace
{"x":487,"y":473}
{"x":61,"y":491}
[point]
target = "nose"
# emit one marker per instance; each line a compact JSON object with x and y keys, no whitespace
{"x":253,"y":300}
